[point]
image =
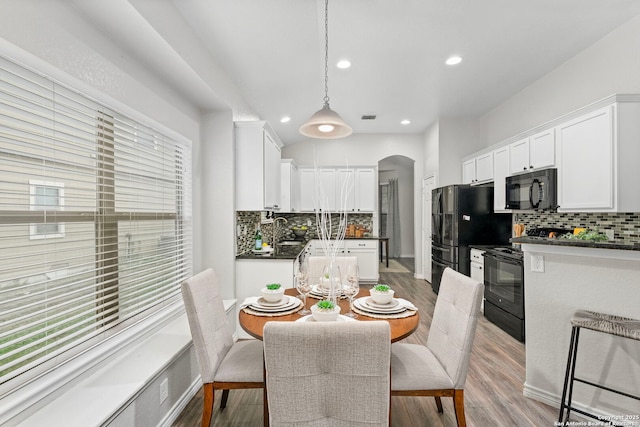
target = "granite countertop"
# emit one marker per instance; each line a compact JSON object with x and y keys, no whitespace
{"x":281,"y":252}
{"x":289,"y":251}
{"x":577,"y":243}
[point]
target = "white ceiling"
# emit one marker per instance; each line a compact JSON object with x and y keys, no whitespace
{"x":272,"y":51}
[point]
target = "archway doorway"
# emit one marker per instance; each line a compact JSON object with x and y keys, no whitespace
{"x":402,"y":241}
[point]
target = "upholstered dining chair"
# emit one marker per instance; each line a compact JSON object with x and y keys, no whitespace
{"x":224,"y":365}
{"x":317,"y":264}
{"x":439,"y":369}
{"x":328,"y":373}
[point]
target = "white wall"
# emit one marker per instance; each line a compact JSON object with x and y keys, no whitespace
{"x":431,"y":151}
{"x":611,"y":65}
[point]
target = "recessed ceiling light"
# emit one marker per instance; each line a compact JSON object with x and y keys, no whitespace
{"x":344,"y":63}
{"x":285,"y":119}
{"x":405,"y":122}
{"x":453,"y":60}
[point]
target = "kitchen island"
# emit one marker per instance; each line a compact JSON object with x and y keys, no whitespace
{"x":576,"y":275}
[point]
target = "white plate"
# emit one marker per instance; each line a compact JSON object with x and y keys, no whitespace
{"x":340,"y":318}
{"x":293,"y":303}
{"x":359,"y":303}
{"x":318,"y":291}
{"x":370,"y":302}
{"x":262,"y":251}
{"x":264,"y":303}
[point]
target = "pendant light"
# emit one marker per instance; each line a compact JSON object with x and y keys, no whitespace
{"x":326,"y":123}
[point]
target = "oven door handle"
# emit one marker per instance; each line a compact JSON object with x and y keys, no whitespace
{"x":503,"y":258}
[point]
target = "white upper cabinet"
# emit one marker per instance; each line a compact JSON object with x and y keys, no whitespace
{"x":289,"y":186}
{"x":355,"y":188}
{"x":306,"y":188}
{"x":534,"y":152}
{"x":366,"y":184}
{"x":257,"y":166}
{"x":595,"y":149}
{"x":500,"y":173}
{"x":597,"y":158}
{"x":478,"y":170}
{"x":345,"y":189}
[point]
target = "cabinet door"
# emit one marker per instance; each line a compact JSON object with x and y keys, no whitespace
{"x":327,"y":187}
{"x":500,"y":173}
{"x":365,"y":189}
{"x":271,"y":173}
{"x":585,"y":162}
{"x":484,"y":167}
{"x":346,"y":189}
{"x":295,"y":189}
{"x":307,"y":189}
{"x":289,"y":187}
{"x":367,"y":253}
{"x":519,"y":156}
{"x":469,"y":171}
{"x":542,"y":149}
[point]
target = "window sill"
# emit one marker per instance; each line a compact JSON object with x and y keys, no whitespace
{"x":125,"y":366}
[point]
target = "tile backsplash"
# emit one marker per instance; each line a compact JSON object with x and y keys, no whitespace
{"x":249,"y":220}
{"x":626,"y":226}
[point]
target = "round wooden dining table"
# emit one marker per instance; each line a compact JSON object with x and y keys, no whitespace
{"x":400,"y":328}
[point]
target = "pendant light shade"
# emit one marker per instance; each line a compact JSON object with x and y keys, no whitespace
{"x":326,"y":123}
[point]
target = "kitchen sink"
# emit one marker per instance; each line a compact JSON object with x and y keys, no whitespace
{"x":290,"y":243}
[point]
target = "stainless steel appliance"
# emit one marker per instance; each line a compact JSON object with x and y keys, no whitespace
{"x":532,"y":190}
{"x":463,"y":215}
{"x":504,"y":290}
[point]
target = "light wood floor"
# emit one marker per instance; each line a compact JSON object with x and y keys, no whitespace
{"x":493,"y":391}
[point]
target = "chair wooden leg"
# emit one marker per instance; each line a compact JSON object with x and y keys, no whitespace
{"x":207,"y":407}
{"x":438,"y":404}
{"x":458,"y":405}
{"x":223,"y":401}
{"x":265,"y":406}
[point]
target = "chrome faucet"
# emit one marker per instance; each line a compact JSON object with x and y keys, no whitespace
{"x":275,"y":227}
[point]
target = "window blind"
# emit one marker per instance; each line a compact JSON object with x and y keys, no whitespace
{"x":95,"y":219}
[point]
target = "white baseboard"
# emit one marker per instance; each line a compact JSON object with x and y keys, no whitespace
{"x":553,"y":400}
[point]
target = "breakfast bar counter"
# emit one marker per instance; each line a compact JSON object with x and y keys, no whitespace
{"x":564,"y":276}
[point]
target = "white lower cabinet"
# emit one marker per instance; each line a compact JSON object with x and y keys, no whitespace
{"x":366,"y":250}
{"x":368,"y":260}
{"x":253,"y":274}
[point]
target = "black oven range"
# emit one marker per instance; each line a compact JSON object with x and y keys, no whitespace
{"x":504,"y":289}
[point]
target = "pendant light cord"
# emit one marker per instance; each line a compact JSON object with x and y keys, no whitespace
{"x":326,"y":52}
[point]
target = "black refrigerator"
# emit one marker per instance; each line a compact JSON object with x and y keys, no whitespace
{"x":462,"y":215}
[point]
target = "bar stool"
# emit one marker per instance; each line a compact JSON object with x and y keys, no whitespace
{"x":605,"y":323}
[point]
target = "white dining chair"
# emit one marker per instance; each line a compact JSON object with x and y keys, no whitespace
{"x":318,"y":263}
{"x":440,"y":368}
{"x":328,"y":373}
{"x":224,"y":364}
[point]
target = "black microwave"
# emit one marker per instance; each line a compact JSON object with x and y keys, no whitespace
{"x":532,"y":190}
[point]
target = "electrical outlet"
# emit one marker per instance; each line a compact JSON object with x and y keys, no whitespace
{"x":537,"y":263}
{"x":610,"y":234}
{"x":164,"y":390}
{"x":309,"y":223}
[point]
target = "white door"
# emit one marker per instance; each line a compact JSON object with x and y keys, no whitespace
{"x":428,"y":184}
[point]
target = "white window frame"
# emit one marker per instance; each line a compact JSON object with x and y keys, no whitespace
{"x":33,"y":228}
